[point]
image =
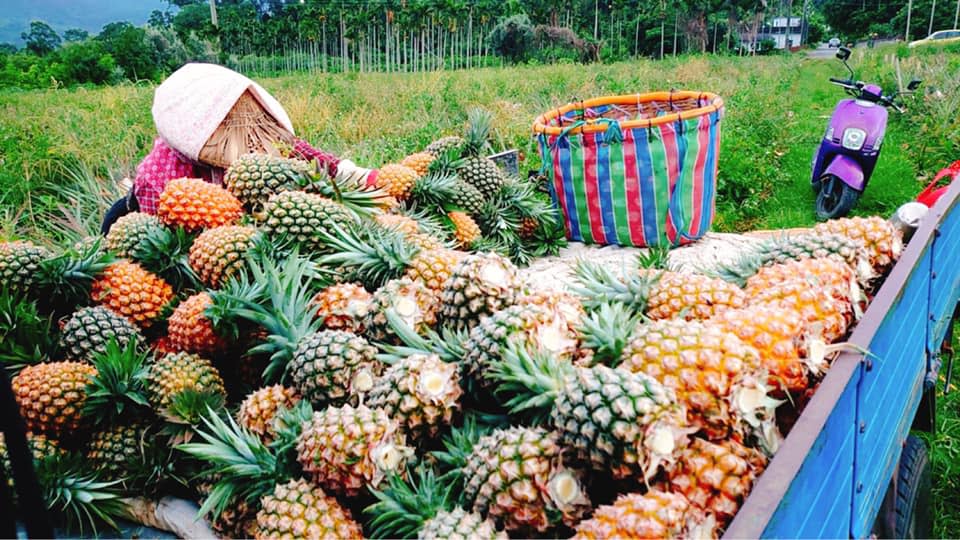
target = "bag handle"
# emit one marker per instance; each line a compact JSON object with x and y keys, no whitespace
{"x":951,"y":170}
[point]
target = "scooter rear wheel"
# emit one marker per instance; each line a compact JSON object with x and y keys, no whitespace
{"x":835,"y":198}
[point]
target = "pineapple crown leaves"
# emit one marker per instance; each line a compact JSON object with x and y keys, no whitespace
{"x":655,"y":258}
{"x":288,"y":424}
{"x":76,"y":495}
{"x":458,"y":445}
{"x":186,"y":411}
{"x":607,"y":330}
{"x":117,"y":389}
{"x":598,"y":285}
{"x":403,"y":507}
{"x":434,"y":190}
{"x":247,"y":468}
{"x":448,"y":345}
{"x":26,"y":337}
{"x":66,"y":279}
{"x":165,"y":252}
{"x":446,"y":163}
{"x":528,"y":381}
{"x":368,"y":253}
{"x":363,"y":202}
{"x":476,"y":136}
{"x":431,"y":221}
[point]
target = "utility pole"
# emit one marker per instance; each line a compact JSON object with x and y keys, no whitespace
{"x":676,"y":23}
{"x":956,"y":15}
{"x":933,"y":8}
{"x":213,"y":12}
{"x":596,"y":18}
{"x":906,"y":36}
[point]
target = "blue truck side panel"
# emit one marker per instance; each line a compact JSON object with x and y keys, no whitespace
{"x":945,"y":283}
{"x":817,"y":503}
{"x":890,"y":395}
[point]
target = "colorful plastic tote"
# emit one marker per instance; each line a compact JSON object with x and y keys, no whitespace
{"x":637,"y":170}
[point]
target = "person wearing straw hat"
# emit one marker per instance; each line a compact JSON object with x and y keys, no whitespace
{"x":206,"y":116}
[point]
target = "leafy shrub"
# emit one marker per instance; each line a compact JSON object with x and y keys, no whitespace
{"x":512,"y":38}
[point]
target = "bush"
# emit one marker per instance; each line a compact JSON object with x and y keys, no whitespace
{"x":512,"y":38}
{"x":87,"y":62}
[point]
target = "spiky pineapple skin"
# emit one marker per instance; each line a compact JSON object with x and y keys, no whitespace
{"x":654,"y":514}
{"x":458,"y":524}
{"x":254,"y":178}
{"x":300,"y":216}
{"x":465,"y":229}
{"x":343,"y":306}
{"x":88,"y":331}
{"x":479,"y":285}
{"x":777,"y":335}
{"x":129,"y":290}
{"x":444,"y":144}
{"x":396,"y":180}
{"x":259,"y":408}
{"x":404,"y":224}
{"x":346,"y":449}
{"x":194,"y":204}
{"x":40,"y":447}
{"x":421,"y":392}
{"x":177,"y":372}
{"x":189,"y":328}
{"x":434,"y":267}
{"x":691,"y":296}
{"x":112,"y":450}
{"x":419,"y":162}
{"x":298,"y":509}
{"x":19,"y":264}
{"x":881,"y":241}
{"x":510,"y":476}
{"x":700,"y":362}
{"x":51,"y":396}
{"x":481,"y":173}
{"x":219,"y":252}
{"x":129,"y":230}
{"x":468,"y":198}
{"x":414,"y":302}
{"x":330,"y":365}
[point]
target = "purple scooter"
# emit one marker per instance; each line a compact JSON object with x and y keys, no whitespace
{"x":849,"y":150}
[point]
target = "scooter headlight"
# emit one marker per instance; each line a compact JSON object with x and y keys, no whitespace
{"x":853,"y":138}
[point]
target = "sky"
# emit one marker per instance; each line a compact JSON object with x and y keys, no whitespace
{"x":89,"y":15}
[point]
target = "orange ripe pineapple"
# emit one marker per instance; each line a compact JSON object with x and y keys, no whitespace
{"x":194,"y":204}
{"x":882,"y":241}
{"x":190,"y":330}
{"x":396,"y":180}
{"x":465,"y":229}
{"x":51,"y":396}
{"x":690,"y":296}
{"x":419,"y":162}
{"x":716,"y":477}
{"x":343,"y":306}
{"x":131,"y":291}
{"x":655,"y":514}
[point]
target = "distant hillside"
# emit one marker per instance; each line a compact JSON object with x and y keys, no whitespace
{"x":90,"y":15}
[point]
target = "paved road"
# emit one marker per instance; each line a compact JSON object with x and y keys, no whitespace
{"x":822,"y":52}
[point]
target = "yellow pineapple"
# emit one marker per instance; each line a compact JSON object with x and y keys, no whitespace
{"x":258,"y":411}
{"x":690,"y":296}
{"x":654,"y":514}
{"x":406,"y":225}
{"x":411,"y":300}
{"x":396,"y":180}
{"x":174,"y":373}
{"x":219,"y":252}
{"x":298,"y":509}
{"x":419,"y":162}
{"x":465,"y":229}
{"x":881,"y":241}
{"x":190,"y":330}
{"x":343,"y":306}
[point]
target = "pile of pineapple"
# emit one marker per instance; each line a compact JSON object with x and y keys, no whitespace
{"x":322,"y":359}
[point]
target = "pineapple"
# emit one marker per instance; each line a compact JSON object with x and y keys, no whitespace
{"x":516,"y":477}
{"x":396,"y":180}
{"x":259,"y":409}
{"x":881,"y":241}
{"x":219,"y":252}
{"x":444,"y":190}
{"x":115,"y":393}
{"x":520,"y":324}
{"x":626,"y":423}
{"x":300,"y":216}
{"x":90,"y":329}
{"x":465,"y":229}
{"x":476,"y":170}
{"x":443,"y":145}
{"x":374,"y":255}
{"x":189,"y":328}
{"x":330,"y":365}
{"x":479,"y":285}
{"x":343,"y":306}
{"x":174,"y":373}
{"x":346,"y":449}
{"x":129,"y":231}
{"x":194,"y":204}
{"x":419,"y":162}
{"x":414,"y":302}
{"x":166,"y":253}
{"x":424,"y":506}
{"x":51,"y":396}
{"x":406,"y":225}
{"x":76,"y":498}
{"x":564,"y":304}
{"x":254,"y":178}
{"x":19,"y":264}
{"x":655,"y":514}
{"x":113,"y":451}
{"x":129,"y":290}
{"x":421,"y":392}
{"x":716,"y":477}
{"x":39,"y":446}
{"x":297,"y":509}
{"x":704,"y":365}
{"x":528,"y":227}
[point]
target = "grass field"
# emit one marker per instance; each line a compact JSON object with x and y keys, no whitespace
{"x":56,"y":146}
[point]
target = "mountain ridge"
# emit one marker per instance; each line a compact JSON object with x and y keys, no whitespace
{"x":61,"y":15}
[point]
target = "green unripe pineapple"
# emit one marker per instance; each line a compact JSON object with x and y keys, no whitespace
{"x":177,"y":372}
{"x":254,"y":178}
{"x":19,"y":264}
{"x":330,"y":365}
{"x":114,"y":450}
{"x":302,"y":216}
{"x":480,"y":285}
{"x":129,"y":231}
{"x":90,"y":329}
{"x":444,"y":144}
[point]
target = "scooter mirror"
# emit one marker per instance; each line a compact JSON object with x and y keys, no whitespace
{"x":843,"y":53}
{"x":913,"y":84}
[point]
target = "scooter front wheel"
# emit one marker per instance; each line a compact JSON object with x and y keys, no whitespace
{"x":835,"y":198}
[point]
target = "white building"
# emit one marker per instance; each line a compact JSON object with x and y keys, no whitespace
{"x":785,"y":32}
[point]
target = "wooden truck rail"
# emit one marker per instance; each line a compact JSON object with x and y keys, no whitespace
{"x":830,"y":477}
